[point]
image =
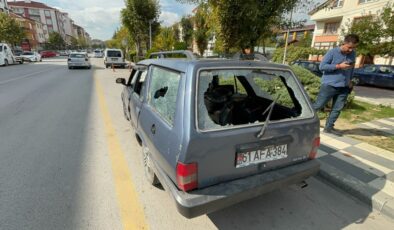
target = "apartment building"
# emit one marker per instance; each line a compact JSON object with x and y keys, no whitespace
{"x":296,"y":34}
{"x":34,"y":33}
{"x":4,"y":6}
{"x":333,"y":15}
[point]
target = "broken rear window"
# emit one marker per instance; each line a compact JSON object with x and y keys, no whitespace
{"x":234,"y":97}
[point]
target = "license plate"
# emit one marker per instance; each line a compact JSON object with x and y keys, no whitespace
{"x":114,"y":59}
{"x":269,"y":153}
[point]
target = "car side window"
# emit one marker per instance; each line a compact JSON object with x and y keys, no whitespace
{"x":163,"y":92}
{"x":132,"y":74}
{"x":140,"y":82}
{"x":369,"y":69}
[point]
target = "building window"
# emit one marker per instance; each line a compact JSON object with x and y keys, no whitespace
{"x":34,"y":12}
{"x":338,"y":3}
{"x":47,"y":13}
{"x":365,"y":1}
{"x":17,"y":10}
{"x":324,"y":45}
{"x":49,"y":21}
{"x":331,"y":28}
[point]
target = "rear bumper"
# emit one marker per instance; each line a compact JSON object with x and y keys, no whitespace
{"x":79,"y":64}
{"x":219,"y":196}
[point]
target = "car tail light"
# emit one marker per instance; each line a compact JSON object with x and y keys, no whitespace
{"x":186,"y":176}
{"x":69,"y":59}
{"x":315,"y":147}
{"x":86,"y":59}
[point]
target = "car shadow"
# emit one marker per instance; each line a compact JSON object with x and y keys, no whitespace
{"x":365,"y":132}
{"x":321,"y":205}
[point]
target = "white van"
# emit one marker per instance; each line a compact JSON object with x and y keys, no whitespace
{"x":114,"y":57}
{"x":6,"y":55}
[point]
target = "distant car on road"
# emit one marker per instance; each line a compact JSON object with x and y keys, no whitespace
{"x":310,"y":65}
{"x":98,"y":54}
{"x":375,"y":75}
{"x":48,"y":54}
{"x":31,"y":56}
{"x":78,"y":60}
{"x":114,"y":57}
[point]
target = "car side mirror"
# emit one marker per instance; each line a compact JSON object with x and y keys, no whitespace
{"x":121,"y":81}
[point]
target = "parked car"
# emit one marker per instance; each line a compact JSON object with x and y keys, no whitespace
{"x":18,"y":57}
{"x":310,"y":65}
{"x":31,"y":56}
{"x":114,"y":57}
{"x":78,"y":60}
{"x":217,"y":132}
{"x":376,"y":75}
{"x":6,"y":55}
{"x":48,"y":54}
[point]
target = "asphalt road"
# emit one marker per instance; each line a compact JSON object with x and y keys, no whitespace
{"x":68,"y":160}
{"x":375,"y":95}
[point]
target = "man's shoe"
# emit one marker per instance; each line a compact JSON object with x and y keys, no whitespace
{"x":331,"y":130}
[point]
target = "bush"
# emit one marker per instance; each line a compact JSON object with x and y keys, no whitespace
{"x":311,"y":84}
{"x":295,"y":53}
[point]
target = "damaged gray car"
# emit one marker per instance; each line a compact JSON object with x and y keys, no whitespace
{"x":215,"y":132}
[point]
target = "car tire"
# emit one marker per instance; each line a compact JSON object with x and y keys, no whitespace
{"x":150,"y":175}
{"x":69,"y":67}
{"x":5,"y":62}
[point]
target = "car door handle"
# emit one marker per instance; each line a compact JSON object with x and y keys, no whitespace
{"x":153,"y":129}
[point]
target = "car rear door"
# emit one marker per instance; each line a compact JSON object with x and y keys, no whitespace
{"x":235,"y":149}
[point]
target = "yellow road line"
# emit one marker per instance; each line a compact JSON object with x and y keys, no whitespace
{"x":131,"y":212}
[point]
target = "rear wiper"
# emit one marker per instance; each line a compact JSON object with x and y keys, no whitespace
{"x":269,"y":110}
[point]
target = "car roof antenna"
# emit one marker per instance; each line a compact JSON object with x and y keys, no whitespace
{"x":269,"y":110}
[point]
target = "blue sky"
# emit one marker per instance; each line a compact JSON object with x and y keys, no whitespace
{"x":100,"y":18}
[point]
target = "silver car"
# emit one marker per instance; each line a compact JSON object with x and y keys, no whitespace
{"x":78,"y":60}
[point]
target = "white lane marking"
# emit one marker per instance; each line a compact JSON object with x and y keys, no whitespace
{"x":23,"y":77}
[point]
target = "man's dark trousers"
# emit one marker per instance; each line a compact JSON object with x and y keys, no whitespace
{"x":338,"y":96}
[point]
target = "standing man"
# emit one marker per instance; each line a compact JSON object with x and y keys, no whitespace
{"x":337,"y":67}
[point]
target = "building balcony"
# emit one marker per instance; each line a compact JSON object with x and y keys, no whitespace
{"x":326,"y":37}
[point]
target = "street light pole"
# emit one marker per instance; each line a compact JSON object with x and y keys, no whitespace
{"x":150,"y":34}
{"x":287,"y":37}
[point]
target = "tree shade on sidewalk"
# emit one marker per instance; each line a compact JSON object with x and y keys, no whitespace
{"x":363,"y":170}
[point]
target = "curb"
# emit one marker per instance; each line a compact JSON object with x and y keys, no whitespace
{"x":376,"y":200}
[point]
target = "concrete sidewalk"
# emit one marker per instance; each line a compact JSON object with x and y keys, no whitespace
{"x":363,"y":170}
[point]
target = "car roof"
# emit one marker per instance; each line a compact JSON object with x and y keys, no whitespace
{"x":182,"y":65}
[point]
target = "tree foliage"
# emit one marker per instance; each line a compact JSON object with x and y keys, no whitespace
{"x":11,"y":31}
{"x":295,"y":53}
{"x":201,"y":33}
{"x":376,"y":32}
{"x":137,"y":17}
{"x":55,"y":41}
{"x":241,"y":23}
{"x":187,"y":30}
{"x":165,"y":39}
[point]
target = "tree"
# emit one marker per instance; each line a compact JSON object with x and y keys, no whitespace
{"x":369,"y":29}
{"x":11,"y":31}
{"x":137,"y":18}
{"x":240,"y":23}
{"x":55,"y":41}
{"x":201,"y":28}
{"x":165,"y":39}
{"x":187,"y":30}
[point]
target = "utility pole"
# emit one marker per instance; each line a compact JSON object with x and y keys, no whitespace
{"x":287,"y":37}
{"x":150,"y":34}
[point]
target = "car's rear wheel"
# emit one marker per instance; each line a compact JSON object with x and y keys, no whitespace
{"x":5,"y":62}
{"x":70,"y":67}
{"x":148,"y":171}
